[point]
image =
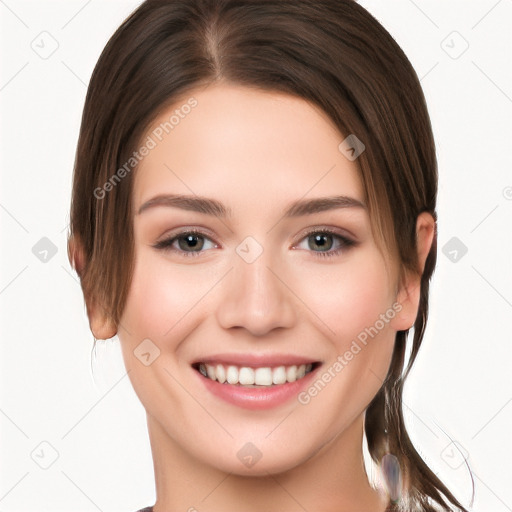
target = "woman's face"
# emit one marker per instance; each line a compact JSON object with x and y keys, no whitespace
{"x":259,"y":287}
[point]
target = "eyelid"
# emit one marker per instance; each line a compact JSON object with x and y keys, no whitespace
{"x":184,"y":230}
{"x":343,"y":233}
{"x":169,"y":238}
{"x":345,"y":243}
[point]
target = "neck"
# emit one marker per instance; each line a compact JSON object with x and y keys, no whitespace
{"x":332,"y":480}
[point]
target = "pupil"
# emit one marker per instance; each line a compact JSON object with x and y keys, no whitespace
{"x":191,"y":242}
{"x":320,"y":241}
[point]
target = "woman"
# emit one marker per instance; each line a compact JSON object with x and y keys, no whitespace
{"x":254,"y":215}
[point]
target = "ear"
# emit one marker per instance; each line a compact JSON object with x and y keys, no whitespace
{"x":409,"y":287}
{"x":100,"y":323}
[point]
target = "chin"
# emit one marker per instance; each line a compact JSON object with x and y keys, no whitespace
{"x":246,"y":459}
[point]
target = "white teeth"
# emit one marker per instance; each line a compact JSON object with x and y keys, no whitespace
{"x":246,"y":376}
{"x":279,"y":375}
{"x":210,"y":371}
{"x":263,"y":376}
{"x":232,"y":375}
{"x":291,"y":373}
{"x":220,"y":373}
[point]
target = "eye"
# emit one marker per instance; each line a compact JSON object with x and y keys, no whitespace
{"x":189,"y":243}
{"x":192,"y":242}
{"x":323,"y":240}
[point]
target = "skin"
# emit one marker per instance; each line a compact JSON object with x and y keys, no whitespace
{"x":256,"y":152}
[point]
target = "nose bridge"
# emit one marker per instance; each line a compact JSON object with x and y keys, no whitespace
{"x":254,"y":296}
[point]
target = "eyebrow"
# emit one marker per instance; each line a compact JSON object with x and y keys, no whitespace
{"x":217,"y":209}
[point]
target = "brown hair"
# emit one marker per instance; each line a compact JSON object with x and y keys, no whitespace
{"x":332,"y":53}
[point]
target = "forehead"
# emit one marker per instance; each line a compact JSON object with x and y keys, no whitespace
{"x":249,"y":148}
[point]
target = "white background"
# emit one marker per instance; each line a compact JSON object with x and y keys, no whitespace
{"x":460,"y":389}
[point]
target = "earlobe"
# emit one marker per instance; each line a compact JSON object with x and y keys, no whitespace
{"x":408,"y":300}
{"x":102,"y":327}
{"x":410,"y":284}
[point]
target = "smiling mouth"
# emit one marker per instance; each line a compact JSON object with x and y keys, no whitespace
{"x":254,"y":377}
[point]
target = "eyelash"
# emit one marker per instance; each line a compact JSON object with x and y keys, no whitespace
{"x":345,"y":243}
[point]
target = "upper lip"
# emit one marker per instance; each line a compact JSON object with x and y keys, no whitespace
{"x":256,"y":360}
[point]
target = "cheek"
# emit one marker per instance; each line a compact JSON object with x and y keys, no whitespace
{"x":348,"y":298}
{"x":354,"y":301}
{"x":357,"y":307}
{"x":164,"y":306}
{"x":164,"y":297}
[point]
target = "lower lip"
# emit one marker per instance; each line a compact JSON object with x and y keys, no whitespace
{"x":264,"y":397}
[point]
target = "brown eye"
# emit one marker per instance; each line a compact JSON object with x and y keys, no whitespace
{"x":191,"y":241}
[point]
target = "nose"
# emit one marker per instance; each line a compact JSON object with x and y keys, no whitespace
{"x":256,"y":296}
